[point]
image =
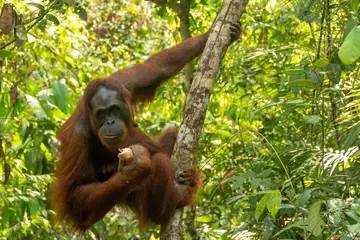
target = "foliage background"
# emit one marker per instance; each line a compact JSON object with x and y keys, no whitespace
{"x":279,"y":149}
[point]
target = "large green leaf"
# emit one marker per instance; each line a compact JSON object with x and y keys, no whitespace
{"x":266,"y":201}
{"x":349,"y":26}
{"x":34,"y":207}
{"x":353,"y":215}
{"x":350,"y":49}
{"x":33,"y":160}
{"x":274,"y":202}
{"x":35,"y":107}
{"x":315,"y":223}
{"x":61,"y":95}
{"x":295,"y":71}
{"x":5,"y":54}
{"x":333,"y":71}
{"x":52,"y":18}
{"x":302,"y":83}
{"x":255,"y":183}
{"x":239,"y":181}
{"x":351,"y":137}
{"x":261,"y":206}
{"x":315,"y":75}
{"x":304,"y":197}
{"x":322,"y":62}
{"x":268,"y":227}
{"x":355,"y":8}
{"x":355,"y":228}
{"x":82,"y":13}
{"x":42,"y":25}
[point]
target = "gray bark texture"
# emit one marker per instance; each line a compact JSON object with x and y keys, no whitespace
{"x":198,"y":99}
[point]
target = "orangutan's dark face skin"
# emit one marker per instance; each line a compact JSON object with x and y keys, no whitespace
{"x":111,"y":116}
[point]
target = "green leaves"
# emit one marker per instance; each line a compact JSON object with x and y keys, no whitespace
{"x":269,"y":200}
{"x":82,"y":13}
{"x":315,"y":223}
{"x":302,"y":83}
{"x":349,"y":26}
{"x":61,"y":95}
{"x":351,"y":137}
{"x":354,"y":5}
{"x":37,"y":5}
{"x":307,"y":77}
{"x":5,"y":54}
{"x":350,"y":49}
{"x":304,"y":197}
{"x":204,"y":219}
{"x":312,"y":119}
{"x":21,"y":32}
{"x":322,"y":62}
{"x":258,"y":138}
{"x":52,"y":18}
{"x":295,"y":71}
{"x":42,"y":25}
{"x":34,"y":158}
{"x":334,"y":72}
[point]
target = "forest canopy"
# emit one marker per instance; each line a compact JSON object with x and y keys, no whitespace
{"x":279,"y":149}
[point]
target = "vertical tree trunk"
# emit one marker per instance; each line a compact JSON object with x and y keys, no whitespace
{"x":182,"y":9}
{"x":198,"y":98}
{"x":184,"y":16}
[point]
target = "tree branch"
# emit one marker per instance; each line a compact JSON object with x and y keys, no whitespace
{"x":199,"y":95}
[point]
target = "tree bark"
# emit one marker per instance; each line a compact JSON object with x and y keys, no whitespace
{"x":184,"y":16}
{"x":198,"y":98}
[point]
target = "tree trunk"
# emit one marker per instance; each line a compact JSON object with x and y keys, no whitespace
{"x":184,"y":16}
{"x":198,"y":98}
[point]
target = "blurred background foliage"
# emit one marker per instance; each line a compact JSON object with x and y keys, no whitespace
{"x":279,"y":149}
